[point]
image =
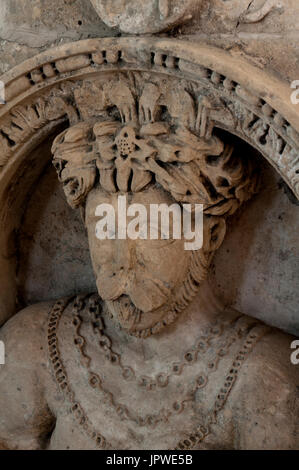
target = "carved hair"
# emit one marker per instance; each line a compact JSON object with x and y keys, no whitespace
{"x":127,"y":151}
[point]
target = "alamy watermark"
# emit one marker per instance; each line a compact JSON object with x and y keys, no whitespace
{"x":295,"y":94}
{"x":295,"y":354}
{"x":159,"y":222}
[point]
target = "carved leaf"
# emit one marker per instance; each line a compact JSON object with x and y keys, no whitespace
{"x":4,"y":151}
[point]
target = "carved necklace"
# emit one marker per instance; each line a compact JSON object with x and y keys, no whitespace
{"x":95,"y":381}
{"x":162,"y":379}
{"x":149,"y":383}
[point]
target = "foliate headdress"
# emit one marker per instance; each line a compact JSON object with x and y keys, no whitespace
{"x":128,"y":140}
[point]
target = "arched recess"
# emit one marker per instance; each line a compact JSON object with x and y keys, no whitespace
{"x":250,"y":103}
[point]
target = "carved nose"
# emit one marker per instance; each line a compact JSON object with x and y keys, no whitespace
{"x":124,"y":256}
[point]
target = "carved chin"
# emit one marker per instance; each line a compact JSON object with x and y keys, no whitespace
{"x":144,"y":306}
{"x":133,"y":316}
{"x":146,"y":295}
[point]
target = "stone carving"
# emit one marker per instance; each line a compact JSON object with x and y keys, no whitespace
{"x":148,"y":362}
{"x":26,"y":120}
{"x":137,"y":150}
{"x":247,"y":114}
{"x":136,"y":16}
{"x":256,"y":15}
{"x":259,"y":112}
{"x":237,"y":330}
{"x":137,"y":143}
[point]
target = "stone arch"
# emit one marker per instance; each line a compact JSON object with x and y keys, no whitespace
{"x":255,"y":106}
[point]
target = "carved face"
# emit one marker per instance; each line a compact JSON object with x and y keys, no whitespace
{"x":142,"y":280}
{"x":135,"y":273}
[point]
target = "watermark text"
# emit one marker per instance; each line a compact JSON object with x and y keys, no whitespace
{"x":156,"y":221}
{"x":295,"y":354}
{"x":295,"y":94}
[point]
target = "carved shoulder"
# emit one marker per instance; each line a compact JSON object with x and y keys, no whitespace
{"x":25,"y":416}
{"x":265,"y":398}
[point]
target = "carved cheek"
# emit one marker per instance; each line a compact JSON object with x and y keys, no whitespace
{"x":101,"y":251}
{"x":164,"y":259}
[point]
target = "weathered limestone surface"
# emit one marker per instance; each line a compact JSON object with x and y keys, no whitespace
{"x":161,"y":344}
{"x":30,"y":26}
{"x":154,"y":328}
{"x":288,"y":322}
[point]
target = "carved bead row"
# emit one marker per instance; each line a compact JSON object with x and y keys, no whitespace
{"x":61,"y":376}
{"x":162,"y":379}
{"x":272,"y":134}
{"x":93,"y":306}
{"x":254,"y":335}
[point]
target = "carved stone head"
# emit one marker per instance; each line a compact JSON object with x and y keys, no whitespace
{"x":152,"y":145}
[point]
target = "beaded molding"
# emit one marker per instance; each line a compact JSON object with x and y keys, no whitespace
{"x":253,"y":117}
{"x":61,"y":376}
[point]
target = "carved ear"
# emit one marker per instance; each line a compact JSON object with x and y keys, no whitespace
{"x":214,"y":233}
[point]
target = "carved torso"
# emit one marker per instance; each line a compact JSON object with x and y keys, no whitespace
{"x":110,"y":402}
